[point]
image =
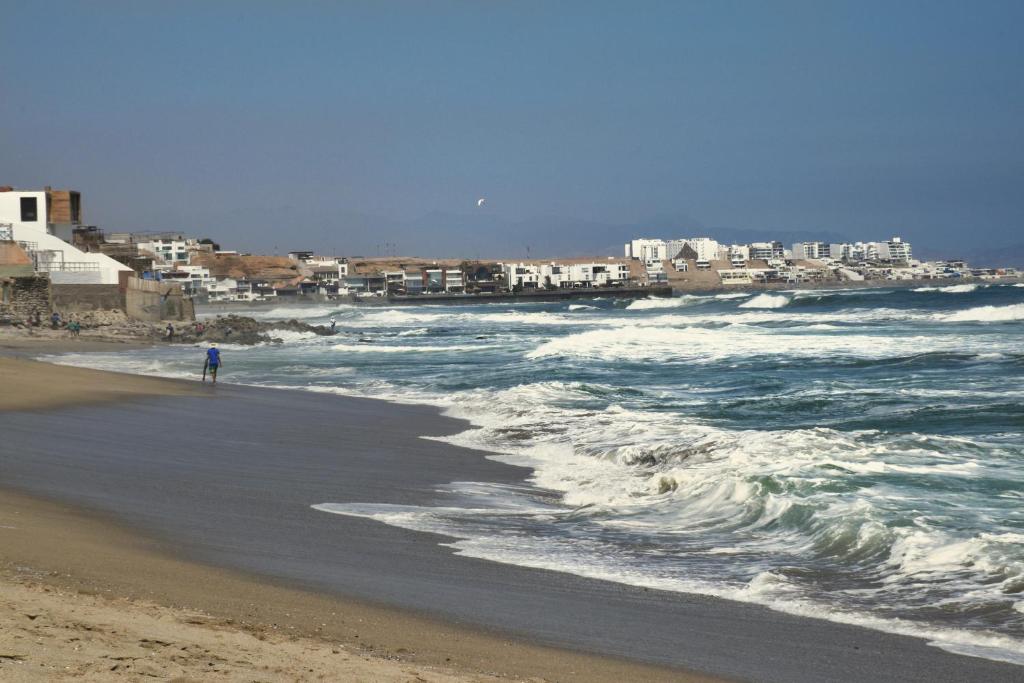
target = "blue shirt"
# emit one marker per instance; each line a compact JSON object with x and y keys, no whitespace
{"x":213,"y":356}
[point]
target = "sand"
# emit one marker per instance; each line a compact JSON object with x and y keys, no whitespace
{"x":80,"y":598}
{"x":84,"y":597}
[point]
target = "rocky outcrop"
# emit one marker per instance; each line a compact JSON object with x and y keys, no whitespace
{"x":237,"y":329}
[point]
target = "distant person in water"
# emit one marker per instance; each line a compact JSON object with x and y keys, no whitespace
{"x":333,"y":324}
{"x":213,"y":362}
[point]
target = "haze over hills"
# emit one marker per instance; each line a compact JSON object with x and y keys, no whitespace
{"x":480,"y":234}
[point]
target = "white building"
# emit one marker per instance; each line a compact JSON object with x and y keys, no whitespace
{"x":193,"y":279}
{"x":453,"y":280}
{"x":648,"y":250}
{"x":895,"y":250}
{"x":566,"y":275}
{"x":812,"y":250}
{"x":170,"y":249}
{"x":707,"y":249}
{"x":767,"y":251}
{"x":26,"y":216}
{"x":230,"y":289}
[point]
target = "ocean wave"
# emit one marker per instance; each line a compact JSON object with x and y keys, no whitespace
{"x":766,"y":301}
{"x":703,"y":345}
{"x":293,"y":312}
{"x":667,"y":302}
{"x":292,"y":336}
{"x":582,"y":307}
{"x":411,"y":350}
{"x":950,"y":289}
{"x":985,"y":314}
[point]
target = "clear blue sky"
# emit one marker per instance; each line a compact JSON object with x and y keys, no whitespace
{"x":345,"y":125}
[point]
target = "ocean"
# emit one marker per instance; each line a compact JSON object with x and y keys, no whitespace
{"x":851,"y":455}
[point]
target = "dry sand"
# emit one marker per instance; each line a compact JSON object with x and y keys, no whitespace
{"x":83,"y":598}
{"x":60,"y":619}
{"x":31,"y":385}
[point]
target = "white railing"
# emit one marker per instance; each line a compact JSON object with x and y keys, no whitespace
{"x":69,"y":267}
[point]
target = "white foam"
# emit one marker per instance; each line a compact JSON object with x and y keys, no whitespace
{"x":412,"y":350}
{"x":667,"y":302}
{"x":589,"y":560}
{"x":292,"y":336}
{"x":702,"y":345}
{"x":296,"y":312}
{"x":951,"y":289}
{"x":766,"y":301}
{"x":581,"y":307}
{"x":989,"y":314}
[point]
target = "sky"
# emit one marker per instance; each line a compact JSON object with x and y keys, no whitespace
{"x":374,"y":127}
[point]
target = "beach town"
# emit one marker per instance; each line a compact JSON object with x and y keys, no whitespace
{"x":57,"y":269}
{"x":511,"y":342}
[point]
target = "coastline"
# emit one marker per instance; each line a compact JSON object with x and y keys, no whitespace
{"x":66,"y":559}
{"x":728,"y":639}
{"x":99,"y":600}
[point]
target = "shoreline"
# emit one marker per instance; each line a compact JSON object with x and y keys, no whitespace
{"x":127,"y":573}
{"x":382,"y":642}
{"x":797,"y":648}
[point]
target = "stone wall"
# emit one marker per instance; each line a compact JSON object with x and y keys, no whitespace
{"x":69,"y":298}
{"x":22,"y":297}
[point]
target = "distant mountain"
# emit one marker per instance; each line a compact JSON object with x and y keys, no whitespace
{"x":486,"y":235}
{"x":1010,"y":255}
{"x":482,"y":234}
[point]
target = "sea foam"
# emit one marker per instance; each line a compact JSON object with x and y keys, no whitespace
{"x":987,"y":314}
{"x":766,"y":301}
{"x":951,"y":289}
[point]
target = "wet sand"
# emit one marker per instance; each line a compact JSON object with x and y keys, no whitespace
{"x":221,"y":482}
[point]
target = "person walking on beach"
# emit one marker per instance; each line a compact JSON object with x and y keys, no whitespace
{"x":55,"y":320}
{"x":212,"y":362}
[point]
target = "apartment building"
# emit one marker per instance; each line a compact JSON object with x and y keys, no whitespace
{"x":568,"y":275}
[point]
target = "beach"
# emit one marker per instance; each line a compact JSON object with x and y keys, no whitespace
{"x":206,"y":493}
{"x":85,"y":594}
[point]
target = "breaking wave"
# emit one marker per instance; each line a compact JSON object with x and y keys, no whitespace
{"x":766,"y":301}
{"x":952,"y":289}
{"x":669,"y":302}
{"x":986,"y":314}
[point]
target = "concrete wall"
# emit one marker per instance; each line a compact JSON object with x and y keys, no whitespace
{"x":71,"y":277}
{"x":10,"y":209}
{"x":79,"y":298}
{"x":154,"y":301}
{"x":21,"y":297}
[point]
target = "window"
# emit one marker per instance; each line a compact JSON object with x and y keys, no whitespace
{"x":29,"y":210}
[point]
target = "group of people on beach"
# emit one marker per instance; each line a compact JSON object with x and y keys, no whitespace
{"x":73,"y":326}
